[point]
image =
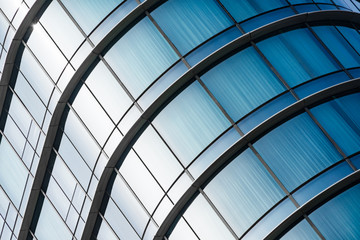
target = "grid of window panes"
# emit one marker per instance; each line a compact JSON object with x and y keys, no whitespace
{"x":216,"y":110}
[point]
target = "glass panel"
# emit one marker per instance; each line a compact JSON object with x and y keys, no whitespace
{"x":157,"y":157}
{"x":264,"y":112}
{"x":297,"y":56}
{"x":243,"y":191}
{"x":271,"y":220}
{"x":212,"y":45}
{"x":341,"y":120}
{"x":242,"y":82}
{"x":47,"y":52}
{"x":129,"y":205}
{"x":60,"y":27}
{"x":213,"y":152}
{"x":188,"y":23}
{"x":14,"y":136}
{"x":50,"y":225}
{"x":338,"y":218}
{"x":245,"y":9}
{"x":58,"y":198}
{"x":182,"y":231}
{"x":82,"y":9}
{"x":141,"y":182}
{"x":352,"y":36}
{"x":190,"y":122}
{"x":117,"y":221}
{"x":266,"y":18}
{"x":297,"y":150}
{"x":320,"y":84}
{"x":338,"y":46}
{"x":108,"y":91}
{"x":323,"y":181}
{"x":140,"y":56}
{"x":204,"y":221}
{"x":105,"y":232}
{"x":92,"y":114}
{"x":13,"y":173}
{"x":81,"y":139}
{"x":302,"y":231}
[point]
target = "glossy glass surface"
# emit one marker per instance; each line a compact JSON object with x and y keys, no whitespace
{"x":140,"y":56}
{"x":297,"y":56}
{"x":341,"y":120}
{"x":188,"y":23}
{"x":81,"y":10}
{"x":337,"y":219}
{"x":243,"y":191}
{"x":242,"y":82}
{"x":242,"y":10}
{"x":302,"y":231}
{"x":296,"y":151}
{"x":190,"y":122}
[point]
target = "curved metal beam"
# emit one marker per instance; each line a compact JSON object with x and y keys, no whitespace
{"x":9,"y":66}
{"x":183,"y":81}
{"x":313,"y":204}
{"x":60,"y":107}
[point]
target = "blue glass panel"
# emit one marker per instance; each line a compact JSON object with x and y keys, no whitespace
{"x":356,"y":161}
{"x":112,"y":20}
{"x":140,"y":56}
{"x":300,"y":1}
{"x":204,"y":221}
{"x":320,"y":84}
{"x":266,"y":19}
{"x":13,"y":173}
{"x":297,"y":56}
{"x":297,"y":150}
{"x":339,"y":218}
{"x":266,"y":111}
{"x":323,"y":181}
{"x":271,"y":220}
{"x":327,"y":7}
{"x":243,"y":191}
{"x":188,"y":23}
{"x":162,"y":84}
{"x":245,"y":9}
{"x":212,"y":45}
{"x":50,"y":225}
{"x":340,"y":119}
{"x":355,"y":73}
{"x":82,"y":9}
{"x":190,"y":122}
{"x":302,"y":231}
{"x":338,"y":46}
{"x":352,"y":36}
{"x":213,"y":152}
{"x":242,"y":82}
{"x":306,"y":8}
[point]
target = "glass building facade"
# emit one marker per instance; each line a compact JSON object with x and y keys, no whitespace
{"x":179,"y":119}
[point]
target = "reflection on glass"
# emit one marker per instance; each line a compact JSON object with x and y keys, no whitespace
{"x":297,"y":150}
{"x":190,"y":122}
{"x":339,"y":218}
{"x":302,"y":231}
{"x":243,"y":191}
{"x":188,"y":23}
{"x":297,"y":56}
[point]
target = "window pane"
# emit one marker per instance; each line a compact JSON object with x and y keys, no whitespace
{"x":296,"y":151}
{"x":245,"y":9}
{"x":242,"y":82}
{"x":140,"y":56}
{"x":297,"y":56}
{"x":190,"y":122}
{"x":243,"y":191}
{"x":188,"y":23}
{"x":302,"y":231}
